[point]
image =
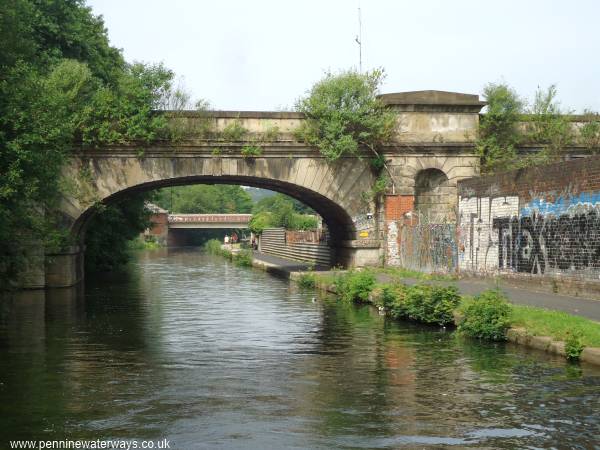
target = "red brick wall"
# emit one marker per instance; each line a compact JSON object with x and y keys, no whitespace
{"x":160,"y":224}
{"x":398,"y":205}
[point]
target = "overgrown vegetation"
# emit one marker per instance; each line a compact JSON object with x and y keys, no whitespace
{"x":345,"y":117}
{"x":509,"y":122}
{"x":355,"y":286}
{"x":139,"y":243}
{"x":344,"y":114}
{"x":426,"y":303}
{"x":498,"y":127}
{"x":213,"y":247}
{"x":234,"y":131}
{"x":487,"y":316}
{"x":251,"y":151}
{"x":242,"y":258}
{"x":307,"y":280}
{"x":590,"y":131}
{"x":574,"y":345}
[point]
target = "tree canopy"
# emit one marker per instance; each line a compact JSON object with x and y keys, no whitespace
{"x":204,"y":199}
{"x":61,"y":85}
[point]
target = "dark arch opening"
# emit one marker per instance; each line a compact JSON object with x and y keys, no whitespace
{"x":338,"y":221}
{"x":432,"y":190}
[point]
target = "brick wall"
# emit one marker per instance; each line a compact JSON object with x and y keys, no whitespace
{"x":398,"y":205}
{"x":537,"y":221}
{"x":159,"y":228}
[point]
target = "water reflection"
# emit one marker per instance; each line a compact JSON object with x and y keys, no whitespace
{"x":188,"y":347}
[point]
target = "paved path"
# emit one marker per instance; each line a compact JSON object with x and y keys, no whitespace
{"x":286,"y":265}
{"x":573,"y":305}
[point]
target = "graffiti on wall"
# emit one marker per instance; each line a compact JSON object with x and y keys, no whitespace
{"x":542,"y":236}
{"x":364,"y":222}
{"x":393,"y":244}
{"x":426,"y":247}
{"x":478,"y":240}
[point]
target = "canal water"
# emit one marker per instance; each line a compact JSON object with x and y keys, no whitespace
{"x":188,"y":347}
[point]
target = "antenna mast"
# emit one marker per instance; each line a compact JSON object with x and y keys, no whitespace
{"x":358,"y":40}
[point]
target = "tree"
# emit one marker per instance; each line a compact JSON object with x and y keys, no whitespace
{"x":548,"y":125}
{"x":507,"y":124}
{"x":344,"y":115}
{"x":272,"y":202}
{"x":280,"y":211}
{"x":110,"y":230}
{"x":498,"y":132}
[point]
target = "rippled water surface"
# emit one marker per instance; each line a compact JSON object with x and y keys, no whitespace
{"x":191,"y":348}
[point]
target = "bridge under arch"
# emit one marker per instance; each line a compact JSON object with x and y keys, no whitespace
{"x":436,"y":130}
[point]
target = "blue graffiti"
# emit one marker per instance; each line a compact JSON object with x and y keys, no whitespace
{"x":562,"y":205}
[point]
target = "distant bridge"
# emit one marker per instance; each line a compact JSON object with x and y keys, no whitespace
{"x":163,"y":224}
{"x":219,"y":221}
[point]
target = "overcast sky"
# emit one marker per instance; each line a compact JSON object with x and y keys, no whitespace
{"x":264,"y":54}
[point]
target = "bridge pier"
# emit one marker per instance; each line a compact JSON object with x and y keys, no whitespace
{"x":359,"y":253}
{"x":64,"y":269}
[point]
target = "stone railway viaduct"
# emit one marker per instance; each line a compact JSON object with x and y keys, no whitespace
{"x":433,"y":149}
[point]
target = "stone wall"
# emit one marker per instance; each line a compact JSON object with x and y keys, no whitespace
{"x":537,"y":221}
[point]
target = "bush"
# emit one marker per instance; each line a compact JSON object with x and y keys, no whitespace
{"x":389,"y":296}
{"x":574,"y":345}
{"x":213,"y":247}
{"x":251,"y":151}
{"x":488,"y":316}
{"x":425,"y":303}
{"x":355,"y":286}
{"x":243,"y":258}
{"x":141,"y":243}
{"x":307,"y":280}
{"x":260,"y":221}
{"x":234,"y":131}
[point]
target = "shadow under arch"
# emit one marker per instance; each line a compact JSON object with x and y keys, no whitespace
{"x":339,"y":222}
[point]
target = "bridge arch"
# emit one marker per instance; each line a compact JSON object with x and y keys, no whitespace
{"x":336,"y":191}
{"x":339,"y":222}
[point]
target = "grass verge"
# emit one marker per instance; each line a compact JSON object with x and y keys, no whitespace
{"x":556,"y":324}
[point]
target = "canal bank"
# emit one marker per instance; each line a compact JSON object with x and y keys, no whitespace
{"x":528,"y":337}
